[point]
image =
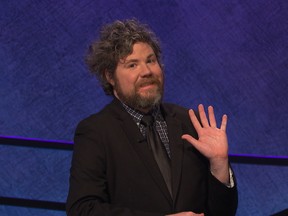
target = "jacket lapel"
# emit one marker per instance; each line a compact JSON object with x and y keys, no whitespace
{"x":138,"y":142}
{"x":176,"y":146}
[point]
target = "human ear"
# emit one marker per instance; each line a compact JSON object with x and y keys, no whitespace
{"x":109,"y":78}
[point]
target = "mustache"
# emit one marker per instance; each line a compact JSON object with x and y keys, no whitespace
{"x":148,"y":81}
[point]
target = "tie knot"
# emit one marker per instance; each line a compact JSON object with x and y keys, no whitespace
{"x":147,"y":120}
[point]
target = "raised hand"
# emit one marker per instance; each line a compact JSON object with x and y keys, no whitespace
{"x":212,"y":141}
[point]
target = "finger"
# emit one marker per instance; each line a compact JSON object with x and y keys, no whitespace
{"x":194,"y":120}
{"x":203,"y":116}
{"x":224,"y":123}
{"x":212,"y":119}
{"x":197,"y":144}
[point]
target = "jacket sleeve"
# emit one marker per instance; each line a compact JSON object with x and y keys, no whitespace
{"x":222,"y":200}
{"x":88,"y":191}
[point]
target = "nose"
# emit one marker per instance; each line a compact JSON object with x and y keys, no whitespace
{"x":145,"y":70}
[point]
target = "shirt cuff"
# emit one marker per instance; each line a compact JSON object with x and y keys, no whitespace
{"x":231,"y":180}
{"x":231,"y":183}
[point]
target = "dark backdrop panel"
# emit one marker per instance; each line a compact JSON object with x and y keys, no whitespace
{"x":32,"y":174}
{"x":231,"y":54}
{"x":20,"y":211}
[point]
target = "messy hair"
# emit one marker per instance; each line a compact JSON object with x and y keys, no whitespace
{"x":115,"y":43}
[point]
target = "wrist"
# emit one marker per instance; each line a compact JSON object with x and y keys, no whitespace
{"x":220,"y":169}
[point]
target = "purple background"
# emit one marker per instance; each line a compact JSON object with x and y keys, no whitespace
{"x":230,"y":54}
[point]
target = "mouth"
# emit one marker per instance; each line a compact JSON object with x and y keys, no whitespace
{"x":146,"y":87}
{"x":149,"y":85}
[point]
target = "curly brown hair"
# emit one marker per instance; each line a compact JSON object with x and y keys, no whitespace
{"x":115,"y":43}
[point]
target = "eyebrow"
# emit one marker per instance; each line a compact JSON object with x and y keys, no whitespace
{"x":136,"y":60}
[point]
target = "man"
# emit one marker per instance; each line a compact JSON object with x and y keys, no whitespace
{"x":115,"y":170}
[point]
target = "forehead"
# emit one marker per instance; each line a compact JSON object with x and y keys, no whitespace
{"x":139,"y":50}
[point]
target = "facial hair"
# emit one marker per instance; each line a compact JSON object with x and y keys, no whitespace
{"x":145,"y":101}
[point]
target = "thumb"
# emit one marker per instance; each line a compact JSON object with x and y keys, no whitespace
{"x":194,"y":142}
{"x":190,"y":139}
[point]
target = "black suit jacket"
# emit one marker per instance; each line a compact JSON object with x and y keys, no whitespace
{"x":114,"y":173}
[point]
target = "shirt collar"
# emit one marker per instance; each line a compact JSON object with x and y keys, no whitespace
{"x":137,"y":115}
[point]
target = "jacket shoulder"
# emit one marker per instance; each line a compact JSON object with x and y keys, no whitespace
{"x":109,"y":113}
{"x":176,"y":111}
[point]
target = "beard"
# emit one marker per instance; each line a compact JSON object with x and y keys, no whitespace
{"x":145,"y":100}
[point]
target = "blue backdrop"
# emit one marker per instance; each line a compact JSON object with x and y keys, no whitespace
{"x":231,"y":54}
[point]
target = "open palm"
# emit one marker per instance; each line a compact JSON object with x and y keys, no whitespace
{"x":212,"y":141}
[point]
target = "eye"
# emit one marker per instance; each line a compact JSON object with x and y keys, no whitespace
{"x":133,"y":65}
{"x":151,"y":60}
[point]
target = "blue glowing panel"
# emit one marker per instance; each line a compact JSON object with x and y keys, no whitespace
{"x":34,"y":173}
{"x":263,"y":190}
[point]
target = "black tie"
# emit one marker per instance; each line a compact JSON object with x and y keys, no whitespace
{"x":158,"y":149}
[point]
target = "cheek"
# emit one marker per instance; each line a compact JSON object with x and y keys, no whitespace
{"x":131,"y":80}
{"x":160,"y":74}
{"x":128,"y":83}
